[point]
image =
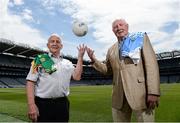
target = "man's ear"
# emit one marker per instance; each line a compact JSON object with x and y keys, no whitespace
{"x":127,"y":26}
{"x":61,"y":46}
{"x":47,"y":45}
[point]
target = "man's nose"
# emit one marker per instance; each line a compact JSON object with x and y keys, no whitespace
{"x":119,"y":26}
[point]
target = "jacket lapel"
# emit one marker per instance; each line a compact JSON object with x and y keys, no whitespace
{"x":115,"y":55}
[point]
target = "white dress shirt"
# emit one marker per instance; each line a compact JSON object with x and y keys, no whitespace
{"x":53,"y":85}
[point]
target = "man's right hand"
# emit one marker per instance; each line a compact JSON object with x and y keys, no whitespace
{"x":33,"y":112}
{"x":90,"y":53}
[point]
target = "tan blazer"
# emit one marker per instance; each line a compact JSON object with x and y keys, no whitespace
{"x":133,"y":81}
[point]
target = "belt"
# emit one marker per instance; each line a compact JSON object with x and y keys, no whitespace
{"x":50,"y":99}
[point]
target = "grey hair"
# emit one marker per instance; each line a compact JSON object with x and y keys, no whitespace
{"x":54,"y":34}
{"x":121,"y":19}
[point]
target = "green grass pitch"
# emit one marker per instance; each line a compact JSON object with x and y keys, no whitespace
{"x":88,"y":103}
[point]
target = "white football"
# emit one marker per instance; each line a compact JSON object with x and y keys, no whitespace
{"x":79,"y":28}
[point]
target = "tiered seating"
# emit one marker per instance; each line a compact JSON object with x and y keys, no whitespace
{"x":3,"y":85}
{"x":169,"y":70}
{"x":11,"y":82}
{"x":21,"y":80}
{"x":12,"y":70}
{"x":13,"y":61}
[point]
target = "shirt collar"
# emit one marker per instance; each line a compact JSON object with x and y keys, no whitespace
{"x":124,"y":38}
{"x":51,"y":55}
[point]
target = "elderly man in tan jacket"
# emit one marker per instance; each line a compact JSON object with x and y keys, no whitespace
{"x":136,"y":85}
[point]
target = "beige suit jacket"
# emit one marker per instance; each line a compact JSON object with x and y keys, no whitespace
{"x":133,"y":81}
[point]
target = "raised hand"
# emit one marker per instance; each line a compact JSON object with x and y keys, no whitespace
{"x":90,"y":53}
{"x":79,"y":66}
{"x":81,"y":50}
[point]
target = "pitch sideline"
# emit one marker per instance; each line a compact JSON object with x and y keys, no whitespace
{"x":7,"y":118}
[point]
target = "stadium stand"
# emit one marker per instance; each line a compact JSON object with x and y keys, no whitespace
{"x":15,"y":61}
{"x":169,"y":65}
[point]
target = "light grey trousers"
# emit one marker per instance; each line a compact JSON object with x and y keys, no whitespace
{"x":124,"y":114}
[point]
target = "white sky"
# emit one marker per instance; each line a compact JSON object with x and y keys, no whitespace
{"x":21,"y":22}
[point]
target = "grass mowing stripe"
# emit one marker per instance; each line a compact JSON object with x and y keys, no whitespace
{"x":5,"y":118}
{"x":90,"y":103}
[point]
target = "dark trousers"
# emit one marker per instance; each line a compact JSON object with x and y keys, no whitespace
{"x":53,"y":110}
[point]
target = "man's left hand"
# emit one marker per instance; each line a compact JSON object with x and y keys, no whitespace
{"x":81,"y":50}
{"x":152,"y":101}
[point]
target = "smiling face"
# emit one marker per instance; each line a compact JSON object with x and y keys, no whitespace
{"x":55,"y":45}
{"x":120,"y":28}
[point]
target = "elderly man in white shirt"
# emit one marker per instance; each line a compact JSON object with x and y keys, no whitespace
{"x":47,"y":91}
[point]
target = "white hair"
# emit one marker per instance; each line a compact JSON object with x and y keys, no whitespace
{"x":54,"y":34}
{"x":121,"y":19}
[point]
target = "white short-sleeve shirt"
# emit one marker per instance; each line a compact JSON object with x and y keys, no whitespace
{"x":53,"y":85}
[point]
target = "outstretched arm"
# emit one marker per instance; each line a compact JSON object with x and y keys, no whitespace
{"x":79,"y":67}
{"x":104,"y":68}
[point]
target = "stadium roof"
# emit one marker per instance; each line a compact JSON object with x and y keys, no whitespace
{"x":23,"y":50}
{"x":9,"y":47}
{"x":168,"y":55}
